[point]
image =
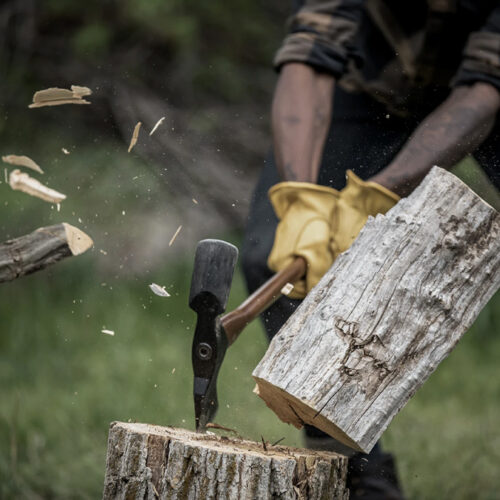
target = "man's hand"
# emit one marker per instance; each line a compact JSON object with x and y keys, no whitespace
{"x":356,"y":202}
{"x":305,"y":211}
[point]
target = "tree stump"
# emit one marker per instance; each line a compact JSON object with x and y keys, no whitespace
{"x":39,"y":249}
{"x":390,"y":309}
{"x":146,"y":461}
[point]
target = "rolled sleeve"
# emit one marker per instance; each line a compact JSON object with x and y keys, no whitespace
{"x":322,"y":35}
{"x":481,"y":57}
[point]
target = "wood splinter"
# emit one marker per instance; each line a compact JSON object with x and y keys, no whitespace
{"x":20,"y":181}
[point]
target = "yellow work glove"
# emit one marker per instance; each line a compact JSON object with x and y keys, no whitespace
{"x":305,"y":213}
{"x":357,"y":201}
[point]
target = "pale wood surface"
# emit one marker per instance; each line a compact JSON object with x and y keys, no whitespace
{"x":39,"y":249}
{"x":146,"y":461}
{"x":386,"y":314}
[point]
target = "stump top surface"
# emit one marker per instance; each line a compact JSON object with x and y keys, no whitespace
{"x":223,"y":443}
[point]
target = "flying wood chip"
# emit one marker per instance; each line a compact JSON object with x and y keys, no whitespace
{"x":159,"y":290}
{"x":287,"y":289}
{"x":158,"y":123}
{"x":22,"y":161}
{"x":175,"y":235}
{"x":135,"y":136}
{"x":56,"y":96}
{"x":21,"y":181}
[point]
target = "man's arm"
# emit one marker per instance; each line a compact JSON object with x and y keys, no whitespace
{"x":301,"y":114}
{"x":453,"y":130}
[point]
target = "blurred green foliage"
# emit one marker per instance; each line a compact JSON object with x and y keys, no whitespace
{"x":200,"y":48}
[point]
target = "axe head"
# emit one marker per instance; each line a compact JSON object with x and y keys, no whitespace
{"x":213,"y":270}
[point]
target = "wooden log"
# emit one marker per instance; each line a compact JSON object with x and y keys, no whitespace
{"x":146,"y":461}
{"x":385,"y":315}
{"x":39,"y":249}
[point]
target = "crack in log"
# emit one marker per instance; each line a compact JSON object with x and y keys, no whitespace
{"x":362,"y":356}
{"x":296,"y":414}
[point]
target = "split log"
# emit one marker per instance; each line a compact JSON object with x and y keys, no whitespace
{"x":146,"y":461}
{"x":39,"y":249}
{"x":385,"y":315}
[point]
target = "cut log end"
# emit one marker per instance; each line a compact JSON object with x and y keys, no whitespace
{"x":78,"y":241}
{"x":146,"y":461}
{"x":297,"y":413}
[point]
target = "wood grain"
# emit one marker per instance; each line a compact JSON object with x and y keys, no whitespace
{"x":146,"y":461}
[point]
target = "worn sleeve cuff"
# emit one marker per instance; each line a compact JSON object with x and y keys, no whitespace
{"x":481,"y":60}
{"x":306,"y":48}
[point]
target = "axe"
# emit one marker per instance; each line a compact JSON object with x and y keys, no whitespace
{"x":213,"y":269}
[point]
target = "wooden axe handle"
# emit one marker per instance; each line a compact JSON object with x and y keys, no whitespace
{"x":234,"y":322}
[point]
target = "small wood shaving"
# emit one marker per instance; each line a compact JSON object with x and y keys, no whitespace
{"x":108,"y":332}
{"x":155,"y":491}
{"x":213,"y":425}
{"x":58,"y":207}
{"x":55,"y":96}
{"x":195,"y":202}
{"x":135,"y":136}
{"x":287,"y":289}
{"x":175,"y":235}
{"x":278,"y":442}
{"x":173,"y":371}
{"x":65,"y":151}
{"x":20,"y":181}
{"x":5,"y":175}
{"x":158,"y":123}
{"x":263,"y":443}
{"x":22,"y":161}
{"x":80,"y":91}
{"x":159,"y":290}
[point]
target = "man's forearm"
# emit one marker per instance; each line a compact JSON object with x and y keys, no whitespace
{"x":301,"y":115}
{"x":456,"y":128}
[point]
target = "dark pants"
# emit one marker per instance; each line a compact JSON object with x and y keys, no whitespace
{"x":363,"y":138}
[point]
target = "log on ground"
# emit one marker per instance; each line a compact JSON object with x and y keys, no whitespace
{"x":385,"y":315}
{"x":146,"y":461}
{"x":39,"y":249}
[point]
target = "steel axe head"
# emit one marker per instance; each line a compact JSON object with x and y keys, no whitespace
{"x":213,"y":270}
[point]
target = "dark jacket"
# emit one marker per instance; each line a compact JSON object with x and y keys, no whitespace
{"x":398,"y":51}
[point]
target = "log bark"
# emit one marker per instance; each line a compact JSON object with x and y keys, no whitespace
{"x":146,"y":461}
{"x":39,"y":249}
{"x":385,"y":315}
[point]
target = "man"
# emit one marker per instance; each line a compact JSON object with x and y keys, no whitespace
{"x":414,"y":84}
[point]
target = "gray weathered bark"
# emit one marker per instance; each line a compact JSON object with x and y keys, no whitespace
{"x":146,"y":461}
{"x":39,"y":249}
{"x":385,"y":315}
